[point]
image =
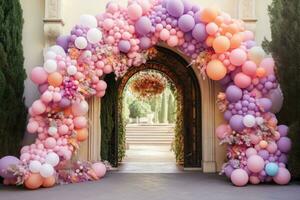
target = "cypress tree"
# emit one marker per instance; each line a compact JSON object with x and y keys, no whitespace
{"x":285,"y":48}
{"x":12,"y":75}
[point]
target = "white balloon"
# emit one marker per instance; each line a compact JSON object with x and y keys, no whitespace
{"x":72,"y":70}
{"x":52,"y":159}
{"x":88,"y":20}
{"x":80,"y":108}
{"x":50,"y":66}
{"x":46,"y":170}
{"x":256,"y":54}
{"x":87,"y":54}
{"x":35,"y":166}
{"x":94,"y":35}
{"x":58,"y":50}
{"x":249,"y":121}
{"x":52,"y":130}
{"x":50,"y":55}
{"x":81,"y":43}
{"x":259,"y":120}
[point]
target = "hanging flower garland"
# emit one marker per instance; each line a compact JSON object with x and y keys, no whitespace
{"x":147,"y":85}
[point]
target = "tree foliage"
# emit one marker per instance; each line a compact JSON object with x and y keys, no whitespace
{"x":285,"y":48}
{"x":12,"y":75}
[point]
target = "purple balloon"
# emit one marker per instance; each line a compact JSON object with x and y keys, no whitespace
{"x":145,"y":43}
{"x":64,"y":102}
{"x":236,"y":123}
{"x":197,"y":17}
{"x":283,"y":158}
{"x":143,"y":26}
{"x":175,"y":8}
{"x":5,"y":163}
{"x":228,"y":170}
{"x":124,"y":46}
{"x":186,"y":23}
{"x":227,"y":115}
{"x":284,"y":144}
{"x":63,"y":41}
{"x":187,"y":5}
{"x":266,"y":103}
{"x":283,"y":130}
{"x":43,"y":87}
{"x":264,"y":154}
{"x":234,"y":93}
{"x":199,"y":32}
{"x":277,"y":99}
{"x":250,"y":44}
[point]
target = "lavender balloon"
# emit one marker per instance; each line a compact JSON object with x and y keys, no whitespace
{"x":143,"y":26}
{"x":234,"y":93}
{"x":145,"y":43}
{"x":236,"y":123}
{"x":228,"y":170}
{"x":175,"y":8}
{"x":63,"y":41}
{"x":284,"y":144}
{"x":64,"y":103}
{"x":187,"y":5}
{"x":5,"y":163}
{"x":264,"y":154}
{"x":124,"y":46}
{"x":283,"y":130}
{"x":186,"y":23}
{"x":199,"y":32}
{"x":266,"y":104}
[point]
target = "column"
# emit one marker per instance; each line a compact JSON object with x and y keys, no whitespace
{"x":246,"y":12}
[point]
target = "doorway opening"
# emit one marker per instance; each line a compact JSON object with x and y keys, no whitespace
{"x":187,"y":137}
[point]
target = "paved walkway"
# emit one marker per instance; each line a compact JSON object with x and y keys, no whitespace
{"x":181,"y":186}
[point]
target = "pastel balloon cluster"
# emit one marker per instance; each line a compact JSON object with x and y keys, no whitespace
{"x":124,"y":37}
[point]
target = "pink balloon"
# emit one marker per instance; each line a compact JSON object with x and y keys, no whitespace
{"x":32,"y":127}
{"x":47,"y":97}
{"x":255,"y":163}
{"x":25,"y":157}
{"x":283,"y":176}
{"x":38,"y":107}
{"x":222,"y":131}
{"x":99,"y":169}
{"x":268,"y":64}
{"x":242,"y":80}
{"x":164,"y":35}
{"x":80,"y":108}
{"x":238,"y":57}
{"x":102,"y":85}
{"x":250,"y":152}
{"x":112,"y":7}
{"x":50,"y":143}
{"x":107,"y":69}
{"x":272,"y":147}
{"x":80,"y":122}
{"x":173,"y":41}
{"x":249,"y":68}
{"x":254,"y":180}
{"x":212,"y":28}
{"x":135,"y":11}
{"x":38,"y":75}
{"x":56,"y":97}
{"x":63,"y":129}
{"x":108,"y":24}
{"x":239,"y":177}
{"x":248,"y":35}
{"x":100,"y":94}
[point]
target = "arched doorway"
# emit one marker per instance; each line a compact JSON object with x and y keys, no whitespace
{"x":176,"y":68}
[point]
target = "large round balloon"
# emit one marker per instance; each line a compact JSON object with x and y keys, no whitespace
{"x":233,"y":93}
{"x":236,"y":123}
{"x":5,"y":163}
{"x":239,"y":177}
{"x":216,"y":70}
{"x":255,"y":163}
{"x":186,"y":23}
{"x":143,"y":26}
{"x":175,"y":8}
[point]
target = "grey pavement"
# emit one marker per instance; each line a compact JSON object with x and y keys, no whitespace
{"x":179,"y":186}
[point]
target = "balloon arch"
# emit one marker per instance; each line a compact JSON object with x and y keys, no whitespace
{"x":124,"y":37}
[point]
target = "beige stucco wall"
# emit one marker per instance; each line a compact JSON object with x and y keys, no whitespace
{"x":33,"y":37}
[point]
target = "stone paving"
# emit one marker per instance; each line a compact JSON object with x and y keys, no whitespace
{"x":179,"y":186}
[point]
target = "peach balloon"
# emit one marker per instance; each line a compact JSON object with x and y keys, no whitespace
{"x":242,"y":80}
{"x":209,"y":41}
{"x":212,"y":28}
{"x":80,"y":122}
{"x":82,"y":134}
{"x":221,"y":44}
{"x":49,"y":182}
{"x":34,"y":181}
{"x":260,"y":72}
{"x":216,"y":70}
{"x":249,"y":68}
{"x":55,"y":79}
{"x":236,"y":41}
{"x":208,"y":15}
{"x":263,"y":144}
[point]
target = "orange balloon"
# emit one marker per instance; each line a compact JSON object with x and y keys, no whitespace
{"x":261,"y":72}
{"x":82,"y":134}
{"x":55,"y":79}
{"x":221,"y":44}
{"x":68,"y":111}
{"x":209,"y":15}
{"x":216,"y":70}
{"x":49,"y":182}
{"x":236,"y":41}
{"x":209,"y":41}
{"x":34,"y":181}
{"x":233,"y":28}
{"x":263,"y":144}
{"x":219,"y":20}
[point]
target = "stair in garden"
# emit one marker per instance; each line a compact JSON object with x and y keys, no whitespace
{"x":149,"y":135}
